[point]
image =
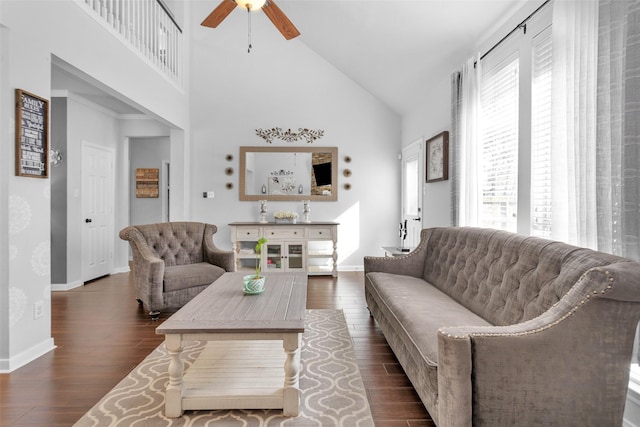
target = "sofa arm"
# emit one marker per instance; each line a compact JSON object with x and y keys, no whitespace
{"x":552,"y":369}
{"x":213,"y":254}
{"x":148,"y":269}
{"x":455,"y":389}
{"x":411,"y":264}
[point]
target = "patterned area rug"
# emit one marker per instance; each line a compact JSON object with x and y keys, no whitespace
{"x":332,"y":389}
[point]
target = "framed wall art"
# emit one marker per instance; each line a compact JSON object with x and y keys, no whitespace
{"x":437,"y":162}
{"x":32,"y":135}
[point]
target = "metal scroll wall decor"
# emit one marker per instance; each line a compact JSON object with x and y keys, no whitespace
{"x":308,"y":135}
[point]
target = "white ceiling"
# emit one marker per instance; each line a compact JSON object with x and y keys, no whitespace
{"x":392,"y":48}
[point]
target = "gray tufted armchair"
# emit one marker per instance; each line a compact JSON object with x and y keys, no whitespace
{"x":173,"y":262}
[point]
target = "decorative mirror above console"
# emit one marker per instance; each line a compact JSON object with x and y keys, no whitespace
{"x":289,"y":173}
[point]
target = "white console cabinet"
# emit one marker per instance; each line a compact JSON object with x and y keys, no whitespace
{"x":302,"y":247}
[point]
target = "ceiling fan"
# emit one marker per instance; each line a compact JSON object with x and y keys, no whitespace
{"x":273,"y":12}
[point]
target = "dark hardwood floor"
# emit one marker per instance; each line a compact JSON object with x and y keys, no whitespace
{"x":101,"y":334}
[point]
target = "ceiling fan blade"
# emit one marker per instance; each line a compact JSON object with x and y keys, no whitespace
{"x":280,"y":20}
{"x":219,"y":13}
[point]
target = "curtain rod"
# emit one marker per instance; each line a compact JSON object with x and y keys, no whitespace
{"x":522,"y":24}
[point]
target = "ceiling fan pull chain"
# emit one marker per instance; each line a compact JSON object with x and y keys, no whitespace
{"x":249,"y":18}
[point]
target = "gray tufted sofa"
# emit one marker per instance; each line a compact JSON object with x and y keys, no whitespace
{"x":499,"y":329}
{"x":173,"y":262}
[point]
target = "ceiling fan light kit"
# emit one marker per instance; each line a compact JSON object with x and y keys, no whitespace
{"x":251,"y":4}
{"x":273,"y":12}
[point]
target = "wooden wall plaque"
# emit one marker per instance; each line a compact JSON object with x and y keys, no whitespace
{"x":147,"y":182}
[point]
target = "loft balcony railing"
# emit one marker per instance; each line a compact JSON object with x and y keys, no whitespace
{"x":148,"y":27}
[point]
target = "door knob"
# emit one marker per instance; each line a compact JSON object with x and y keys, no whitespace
{"x":417,"y":219}
{"x":88,"y":220}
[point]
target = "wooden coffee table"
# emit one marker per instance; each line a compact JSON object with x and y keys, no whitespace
{"x":241,"y":366}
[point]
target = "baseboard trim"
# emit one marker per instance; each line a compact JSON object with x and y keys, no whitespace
{"x":359,"y":267}
{"x":61,"y":287}
{"x":27,"y":356}
{"x":58,"y":287}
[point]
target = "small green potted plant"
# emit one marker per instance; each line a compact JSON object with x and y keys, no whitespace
{"x":254,"y":283}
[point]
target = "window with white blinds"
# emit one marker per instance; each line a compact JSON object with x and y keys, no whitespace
{"x":541,"y":135}
{"x":499,"y":98}
{"x":514,"y":144}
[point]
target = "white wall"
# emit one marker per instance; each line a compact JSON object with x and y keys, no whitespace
{"x":58,"y":181}
{"x":148,"y":153}
{"x":284,"y":84}
{"x":33,"y":31}
{"x":425,"y":121}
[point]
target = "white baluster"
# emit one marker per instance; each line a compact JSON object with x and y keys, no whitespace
{"x":168,"y":49}
{"x":109,"y":7}
{"x":143,"y":28}
{"x":123,"y":19}
{"x":138,"y":25}
{"x":146,"y":16}
{"x":162,"y":40}
{"x":130,"y":21}
{"x":178,"y":43}
{"x":172,"y":55}
{"x":116,"y":15}
{"x":165,"y":43}
{"x":154,"y":32}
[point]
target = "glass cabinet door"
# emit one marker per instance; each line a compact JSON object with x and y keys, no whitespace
{"x":285,"y":256}
{"x":274,"y":257}
{"x":295,"y":257}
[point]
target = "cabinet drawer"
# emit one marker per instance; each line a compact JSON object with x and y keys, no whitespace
{"x":284,"y":233}
{"x":247,"y":233}
{"x":319,"y":233}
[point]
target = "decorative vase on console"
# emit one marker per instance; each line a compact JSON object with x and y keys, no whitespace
{"x":306,"y":211}
{"x":263,"y":211}
{"x":254,"y":283}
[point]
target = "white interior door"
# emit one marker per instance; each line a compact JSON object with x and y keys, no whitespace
{"x":97,"y":210}
{"x":412,"y":186}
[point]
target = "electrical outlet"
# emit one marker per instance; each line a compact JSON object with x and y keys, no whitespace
{"x":38,"y":309}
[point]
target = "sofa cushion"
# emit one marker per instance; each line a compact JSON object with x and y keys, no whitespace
{"x":186,"y":276}
{"x":421,"y":309}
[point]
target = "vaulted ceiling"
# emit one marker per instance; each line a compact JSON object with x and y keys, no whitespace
{"x":392,"y":48}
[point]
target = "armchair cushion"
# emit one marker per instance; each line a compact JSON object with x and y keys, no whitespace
{"x":186,"y":276}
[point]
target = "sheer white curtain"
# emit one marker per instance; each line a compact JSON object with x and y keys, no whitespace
{"x":465,"y":135}
{"x":596,"y":125}
{"x":618,"y":128}
{"x":573,"y":167}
